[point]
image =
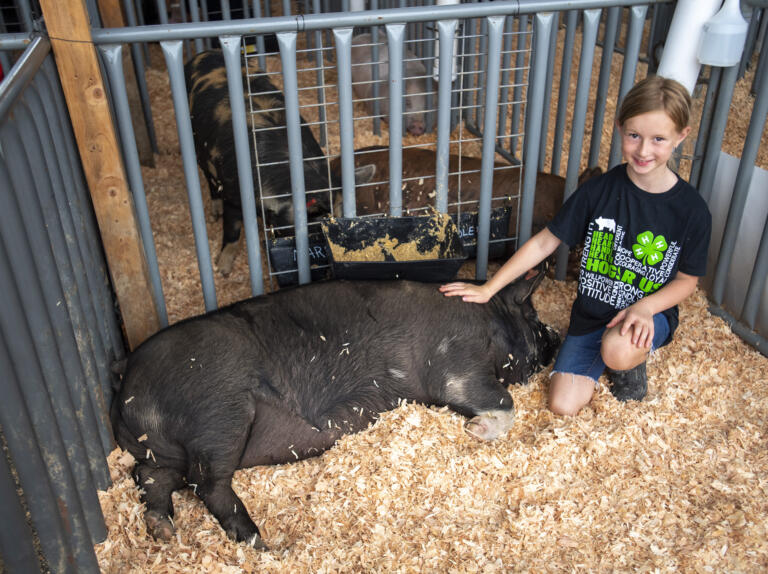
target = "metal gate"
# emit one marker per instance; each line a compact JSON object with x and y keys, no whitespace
{"x":505,"y":54}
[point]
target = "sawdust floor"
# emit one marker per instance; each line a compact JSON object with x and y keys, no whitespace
{"x":677,"y":482}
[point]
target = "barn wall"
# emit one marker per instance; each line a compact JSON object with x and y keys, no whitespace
{"x":58,"y":332}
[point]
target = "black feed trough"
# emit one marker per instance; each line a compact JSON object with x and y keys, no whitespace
{"x":420,"y":248}
{"x":282,"y":250}
{"x":282,"y":257}
{"x":467,"y":224}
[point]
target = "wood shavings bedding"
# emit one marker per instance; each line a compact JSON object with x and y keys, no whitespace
{"x":674,"y":483}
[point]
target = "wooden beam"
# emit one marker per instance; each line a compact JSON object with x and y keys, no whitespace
{"x":69,"y":29}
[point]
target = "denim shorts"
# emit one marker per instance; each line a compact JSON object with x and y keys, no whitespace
{"x":580,"y":354}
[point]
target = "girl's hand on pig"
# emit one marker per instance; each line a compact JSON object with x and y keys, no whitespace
{"x":468,"y":292}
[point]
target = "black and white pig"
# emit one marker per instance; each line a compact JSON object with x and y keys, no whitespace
{"x":211,"y":117}
{"x":414,"y":78}
{"x":281,"y":377}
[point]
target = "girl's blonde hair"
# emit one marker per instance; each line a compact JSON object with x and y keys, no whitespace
{"x":657,"y":93}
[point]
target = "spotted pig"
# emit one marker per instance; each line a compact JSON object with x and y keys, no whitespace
{"x":211,"y":117}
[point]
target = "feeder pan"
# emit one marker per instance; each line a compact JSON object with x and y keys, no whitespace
{"x":419,"y":248}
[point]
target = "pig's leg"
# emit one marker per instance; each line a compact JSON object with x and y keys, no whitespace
{"x":232,"y":223}
{"x":217,"y":203}
{"x":229,"y":510}
{"x":210,"y":475}
{"x":485,"y":400}
{"x":214,"y":189}
{"x":157,"y":484}
{"x":279,"y":435}
{"x":217,"y":208}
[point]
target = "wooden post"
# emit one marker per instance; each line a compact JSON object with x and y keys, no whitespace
{"x":76,"y":59}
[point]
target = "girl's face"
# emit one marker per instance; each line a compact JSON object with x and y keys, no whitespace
{"x":648,"y":141}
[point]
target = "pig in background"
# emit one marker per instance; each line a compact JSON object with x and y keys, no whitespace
{"x":211,"y":117}
{"x":414,"y":79}
{"x":281,"y":377}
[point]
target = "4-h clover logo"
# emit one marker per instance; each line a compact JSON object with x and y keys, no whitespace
{"x":649,"y":249}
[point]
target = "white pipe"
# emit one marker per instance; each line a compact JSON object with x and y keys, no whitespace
{"x":356,"y":5}
{"x":679,"y":60}
{"x":436,"y":65}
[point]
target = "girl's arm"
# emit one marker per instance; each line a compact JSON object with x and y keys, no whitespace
{"x":533,"y":252}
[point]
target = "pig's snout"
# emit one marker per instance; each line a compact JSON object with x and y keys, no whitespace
{"x":416,"y":127}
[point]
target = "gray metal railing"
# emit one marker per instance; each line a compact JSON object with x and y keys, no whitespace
{"x":390,"y":19}
{"x":744,"y":318}
{"x":467,"y":99}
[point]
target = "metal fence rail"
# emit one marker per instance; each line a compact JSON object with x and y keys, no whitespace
{"x":624,"y":31}
{"x":475,"y":19}
{"x":58,"y":330}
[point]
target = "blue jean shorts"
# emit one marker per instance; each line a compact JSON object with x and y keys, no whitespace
{"x":580,"y":354}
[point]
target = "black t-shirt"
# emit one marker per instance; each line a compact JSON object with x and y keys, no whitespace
{"x":634,"y":243}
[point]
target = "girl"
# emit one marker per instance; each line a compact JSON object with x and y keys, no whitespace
{"x":645,"y":233}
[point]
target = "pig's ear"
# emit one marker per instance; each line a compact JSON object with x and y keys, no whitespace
{"x":364,"y":173}
{"x":524,"y":287}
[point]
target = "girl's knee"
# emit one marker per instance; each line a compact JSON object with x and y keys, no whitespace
{"x":569,"y":393}
{"x":563,"y":407}
{"x":618,"y":352}
{"x":620,"y":361}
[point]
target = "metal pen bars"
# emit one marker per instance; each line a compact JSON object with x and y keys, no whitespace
{"x":463,"y":103}
{"x":467,"y":99}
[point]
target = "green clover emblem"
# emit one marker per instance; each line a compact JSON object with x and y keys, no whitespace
{"x":649,"y":249}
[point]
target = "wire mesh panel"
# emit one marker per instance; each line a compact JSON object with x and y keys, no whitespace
{"x":18,"y":15}
{"x":16,"y":20}
{"x":354,"y":160}
{"x":267,"y":119}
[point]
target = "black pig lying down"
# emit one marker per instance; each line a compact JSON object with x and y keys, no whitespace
{"x":281,"y":377}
